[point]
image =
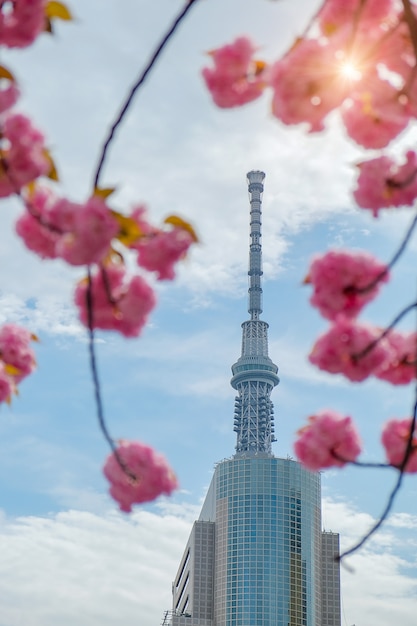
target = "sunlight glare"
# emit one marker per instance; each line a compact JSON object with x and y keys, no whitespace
{"x":350,"y":71}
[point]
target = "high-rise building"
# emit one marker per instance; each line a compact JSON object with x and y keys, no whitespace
{"x":257,"y":555}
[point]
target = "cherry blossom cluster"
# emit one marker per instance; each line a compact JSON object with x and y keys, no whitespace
{"x":21,"y":22}
{"x":384,"y":182}
{"x":17,"y":359}
{"x":330,"y":439}
{"x":395,"y":439}
{"x":356,"y":57}
{"x":91,"y":234}
{"x":343,"y":283}
{"x":80,"y":233}
{"x":23,"y":159}
{"x":139,"y":474}
{"x":236,"y":77}
{"x":23,"y":153}
{"x":120,"y":303}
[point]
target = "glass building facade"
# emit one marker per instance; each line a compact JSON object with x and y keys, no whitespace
{"x":257,"y":555}
{"x":267,"y":543}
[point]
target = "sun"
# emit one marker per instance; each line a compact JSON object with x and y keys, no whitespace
{"x":350,"y":71}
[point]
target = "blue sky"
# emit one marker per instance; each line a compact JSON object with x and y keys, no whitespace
{"x":66,"y":551}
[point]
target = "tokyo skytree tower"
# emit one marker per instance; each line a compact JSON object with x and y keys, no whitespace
{"x":254,"y":373}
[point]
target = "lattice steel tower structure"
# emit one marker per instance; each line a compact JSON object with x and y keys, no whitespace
{"x":254,"y":374}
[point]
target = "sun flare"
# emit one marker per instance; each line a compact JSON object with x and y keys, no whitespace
{"x":350,"y":71}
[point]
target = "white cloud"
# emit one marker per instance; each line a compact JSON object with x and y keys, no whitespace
{"x":403,"y":520}
{"x":77,"y":567}
{"x":110,"y":568}
{"x":377,"y":587}
{"x":182,"y":156}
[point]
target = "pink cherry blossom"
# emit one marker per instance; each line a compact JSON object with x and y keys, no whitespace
{"x":35,"y":225}
{"x":107,"y":284}
{"x":61,"y":214}
{"x":384,"y":183}
{"x":90,"y":233}
{"x":36,"y":237}
{"x":7,"y":386}
{"x":400,"y":367}
{"x":395,"y":436}
{"x":162,"y":251}
{"x":145,"y":477}
{"x":336,"y":14}
{"x":375,"y":113}
{"x":395,"y":52}
{"x":307,"y":83}
{"x":24,"y":154}
{"x":236,"y":77}
{"x":338,"y":278}
{"x":328,"y":440}
{"x":80,"y":234}
{"x":119,"y":303}
{"x":139,"y":214}
{"x":134,"y":305}
{"x":339,"y":350}
{"x":159,"y":250}
{"x":8,"y":95}
{"x":21,"y":21}
{"x":15,"y":350}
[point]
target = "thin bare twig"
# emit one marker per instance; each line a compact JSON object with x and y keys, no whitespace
{"x":139,"y":82}
{"x":392,"y":262}
{"x":410,"y":18}
{"x":394,"y":491}
{"x":380,"y":521}
{"x":371,"y":346}
{"x":89,"y":293}
{"x":355,"y":26}
{"x":96,"y":380}
{"x":358,"y":463}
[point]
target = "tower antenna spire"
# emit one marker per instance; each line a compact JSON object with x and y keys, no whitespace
{"x":255,"y":188}
{"x":254,"y":373}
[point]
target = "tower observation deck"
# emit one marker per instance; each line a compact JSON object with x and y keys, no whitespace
{"x":254,"y":374}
